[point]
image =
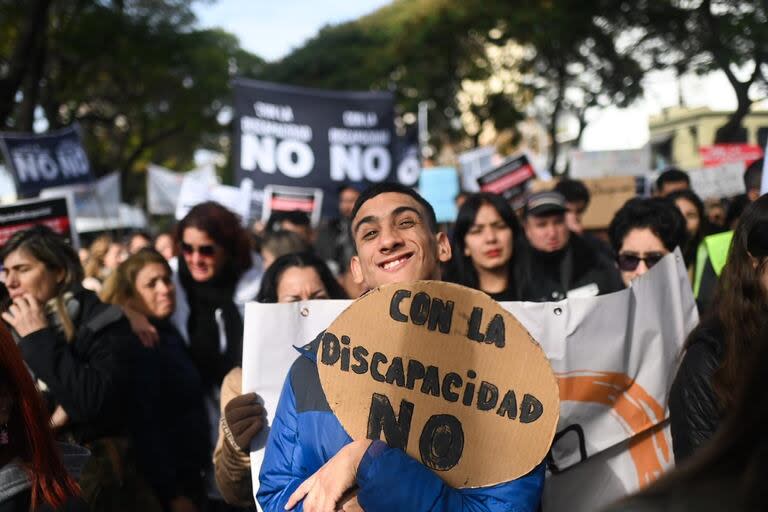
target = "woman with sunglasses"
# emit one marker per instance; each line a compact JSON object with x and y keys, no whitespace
{"x":32,"y":475}
{"x":718,"y":350}
{"x":483,"y":246}
{"x":291,"y":278}
{"x":642,"y":232}
{"x":217,"y":274}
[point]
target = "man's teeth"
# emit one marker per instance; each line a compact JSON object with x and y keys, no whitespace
{"x":391,"y":264}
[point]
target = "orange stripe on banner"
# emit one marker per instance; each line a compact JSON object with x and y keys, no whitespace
{"x":640,"y":412}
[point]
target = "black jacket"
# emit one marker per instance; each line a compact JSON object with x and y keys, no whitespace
{"x":694,"y":411}
{"x":88,"y":376}
{"x":552,"y":276}
{"x":170,"y":428}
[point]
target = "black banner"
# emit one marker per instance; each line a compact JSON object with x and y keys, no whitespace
{"x":53,"y":212}
{"x":294,"y":136}
{"x":48,"y":160}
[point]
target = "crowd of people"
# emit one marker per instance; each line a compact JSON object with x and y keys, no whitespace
{"x":132,"y":348}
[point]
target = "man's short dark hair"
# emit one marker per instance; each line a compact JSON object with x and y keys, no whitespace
{"x":660,"y":215}
{"x":753,"y":176}
{"x":295,"y":217}
{"x":397,"y":188}
{"x":573,"y":191}
{"x":672,"y":175}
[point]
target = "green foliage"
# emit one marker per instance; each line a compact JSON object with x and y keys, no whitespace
{"x":143,"y":83}
{"x":704,"y":36}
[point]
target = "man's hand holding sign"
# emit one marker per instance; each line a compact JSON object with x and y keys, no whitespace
{"x":459,"y":402}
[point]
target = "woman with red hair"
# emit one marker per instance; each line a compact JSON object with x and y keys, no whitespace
{"x":32,"y":475}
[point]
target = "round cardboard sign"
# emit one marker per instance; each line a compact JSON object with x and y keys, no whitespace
{"x":446,"y":374}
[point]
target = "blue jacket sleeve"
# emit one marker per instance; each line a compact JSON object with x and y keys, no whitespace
{"x":391,"y":480}
{"x":278,"y":477}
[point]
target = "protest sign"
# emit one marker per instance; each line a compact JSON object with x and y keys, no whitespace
{"x":56,"y":213}
{"x":607,"y":195}
{"x":440,"y":186}
{"x":163,"y":190}
{"x":718,"y":154}
{"x":475,"y":163}
{"x":615,"y":357}
{"x":99,"y":198}
{"x":448,"y":376}
{"x":509,"y":179}
{"x":295,"y":136}
{"x":287,"y":199}
{"x":764,"y":183}
{"x":48,"y":160}
{"x":600,"y":164}
{"x":724,"y":180}
{"x":195,"y":189}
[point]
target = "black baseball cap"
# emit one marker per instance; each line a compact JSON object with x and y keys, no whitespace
{"x":544,"y":203}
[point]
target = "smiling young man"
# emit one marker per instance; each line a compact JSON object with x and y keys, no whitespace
{"x":311,"y":464}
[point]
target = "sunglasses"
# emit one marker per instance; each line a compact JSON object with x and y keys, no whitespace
{"x":629,"y":262}
{"x":202,"y":250}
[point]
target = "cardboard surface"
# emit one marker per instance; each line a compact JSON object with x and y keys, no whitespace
{"x":446,"y":374}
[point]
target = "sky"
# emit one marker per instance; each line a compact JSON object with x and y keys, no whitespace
{"x":272,"y":29}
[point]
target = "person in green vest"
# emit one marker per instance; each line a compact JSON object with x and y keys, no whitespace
{"x":713,"y":251}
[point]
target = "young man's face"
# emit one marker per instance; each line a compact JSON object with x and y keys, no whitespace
{"x":547,"y":233}
{"x":394,"y":242}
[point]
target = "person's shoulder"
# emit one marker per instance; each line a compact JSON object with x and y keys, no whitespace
{"x":305,"y":380}
{"x":707,"y":338}
{"x":94,"y":314}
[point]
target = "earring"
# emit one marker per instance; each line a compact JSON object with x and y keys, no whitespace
{"x":4,"y":434}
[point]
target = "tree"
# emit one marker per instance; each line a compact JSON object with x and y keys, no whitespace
{"x":709,"y":35}
{"x":141,"y":81}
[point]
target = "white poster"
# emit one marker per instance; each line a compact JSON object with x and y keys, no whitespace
{"x":98,"y":199}
{"x":615,"y":357}
{"x":725,"y":180}
{"x":163,"y":190}
{"x":601,"y":164}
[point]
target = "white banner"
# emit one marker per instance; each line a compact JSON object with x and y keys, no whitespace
{"x":99,"y":199}
{"x":601,"y":164}
{"x":615,"y":357}
{"x":764,"y":183}
{"x":163,"y":190}
{"x":725,"y":180}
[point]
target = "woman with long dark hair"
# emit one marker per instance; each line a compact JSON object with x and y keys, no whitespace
{"x":291,"y":278}
{"x":483,"y":246}
{"x":32,"y":475}
{"x":728,"y":473}
{"x":718,"y":350}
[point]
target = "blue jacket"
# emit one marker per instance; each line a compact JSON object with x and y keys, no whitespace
{"x":306,"y":434}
